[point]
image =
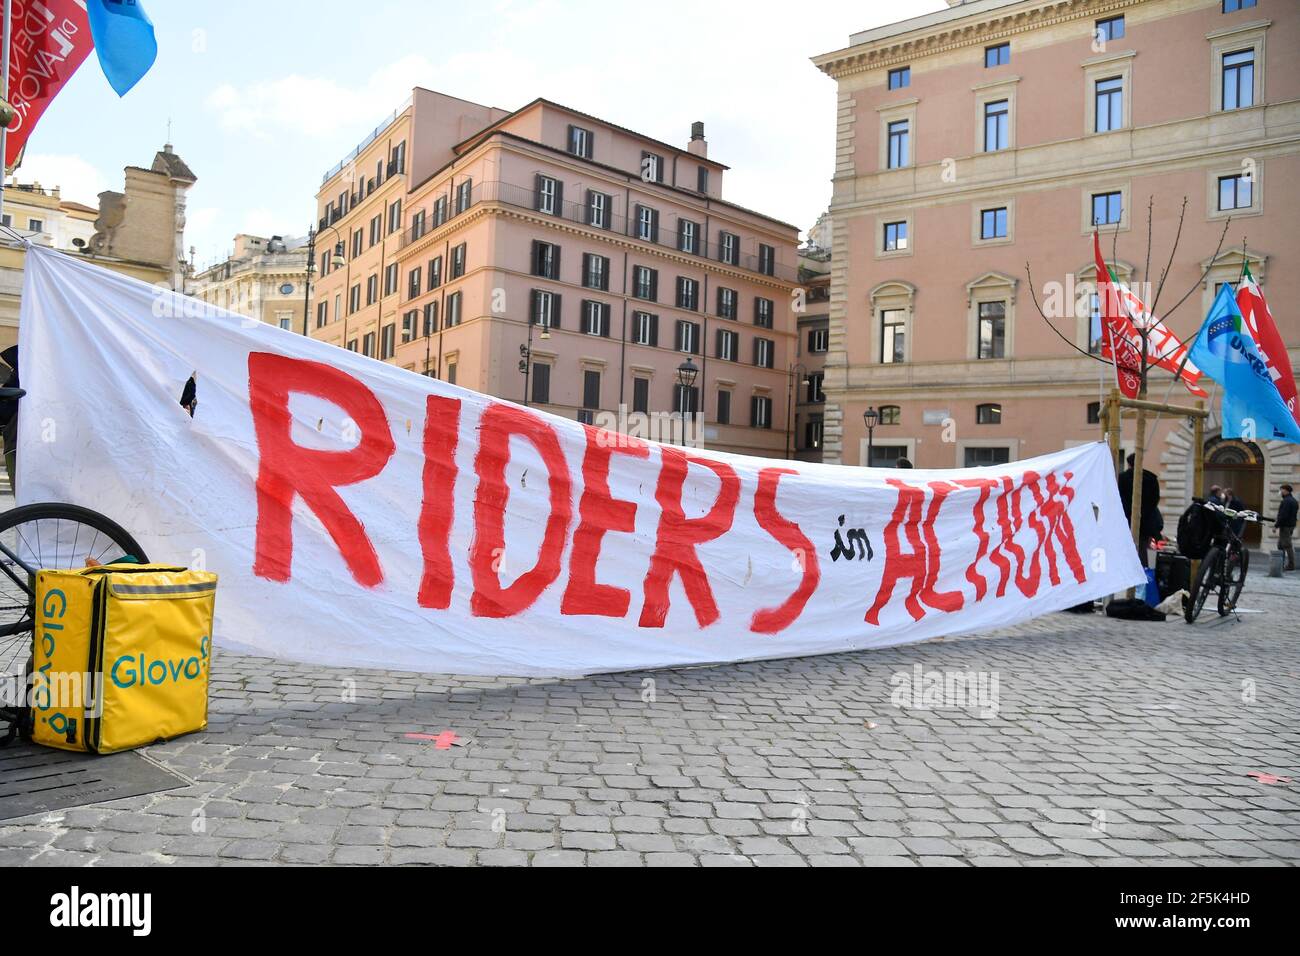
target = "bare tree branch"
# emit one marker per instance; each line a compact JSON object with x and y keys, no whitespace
{"x":1033,"y":295}
{"x":1172,"y":252}
{"x":1204,"y":274}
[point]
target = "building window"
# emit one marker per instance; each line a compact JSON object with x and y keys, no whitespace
{"x":1094,"y":324}
{"x":652,"y":167}
{"x":819,"y":340}
{"x":464,"y":195}
{"x":458,"y":260}
{"x":372,"y":289}
{"x":376,"y":229}
{"x":36,"y":225}
{"x":724,"y":407}
{"x":595,"y":318}
{"x":451,"y":373}
{"x":440,"y":210}
{"x":322,"y":313}
{"x":812,"y":434}
{"x":1232,"y":6}
{"x":893,"y":342}
{"x":688,"y":336}
{"x":387,"y":339}
{"x":647,"y":224}
{"x":990,"y":414}
{"x":541,"y":376}
{"x":726,"y":303}
{"x":702,"y":179}
{"x":890,"y":414}
{"x":997,"y":132}
{"x":815,"y":393}
{"x":645,"y":283}
{"x":900,"y":77}
{"x":580,"y":142}
{"x":1094,"y":413}
{"x":641,"y":395}
{"x":1234,"y":192}
{"x":999,"y":55}
{"x":984,"y":457}
{"x":645,"y":328}
{"x":431,"y":317}
{"x":286,"y":321}
{"x":993,"y":223}
{"x":545,"y":309}
{"x":598,"y":205}
{"x":688,"y":236}
{"x":1107,"y":208}
{"x":358,"y":238}
{"x":548,"y":195}
{"x":728,"y":345}
{"x":453,"y":311}
{"x":546,"y":259}
{"x":764,"y":310}
{"x":1109,"y":104}
{"x":1112,"y":28}
{"x":760,"y":411}
{"x":590,"y":388}
{"x":1239,"y":79}
{"x":354,"y":298}
{"x":688,"y":294}
{"x":899,"y":144}
{"x":368,"y":345}
{"x":686,"y":400}
{"x":895,"y":236}
{"x":435,"y":272}
{"x":766,"y":259}
{"x":729,"y":248}
{"x":764,"y":353}
{"x":390,"y":278}
{"x":395,"y":216}
{"x":595,"y":271}
{"x":992,"y":330}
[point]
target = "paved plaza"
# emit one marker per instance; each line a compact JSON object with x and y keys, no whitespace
{"x":1094,"y":742}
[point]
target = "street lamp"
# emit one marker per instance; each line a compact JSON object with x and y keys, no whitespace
{"x":686,"y":373}
{"x":526,"y":354}
{"x":789,"y":393}
{"x":336,"y":261}
{"x":869,"y":418}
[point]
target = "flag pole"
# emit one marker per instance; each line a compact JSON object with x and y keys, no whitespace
{"x":4,"y":95}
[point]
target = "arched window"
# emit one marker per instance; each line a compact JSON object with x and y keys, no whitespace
{"x":989,"y":414}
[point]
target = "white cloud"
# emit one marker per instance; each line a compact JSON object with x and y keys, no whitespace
{"x":77,"y":180}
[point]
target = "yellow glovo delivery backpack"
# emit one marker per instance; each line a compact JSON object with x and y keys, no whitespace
{"x":120,"y":655}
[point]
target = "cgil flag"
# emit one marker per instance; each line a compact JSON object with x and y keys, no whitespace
{"x":1258,"y":318}
{"x":1120,"y":342}
{"x":1252,"y":406}
{"x":124,"y":41}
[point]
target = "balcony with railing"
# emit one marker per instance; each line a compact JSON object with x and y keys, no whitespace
{"x":527,"y":197}
{"x":370,"y":138}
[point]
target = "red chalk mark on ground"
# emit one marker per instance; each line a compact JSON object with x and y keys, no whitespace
{"x":1268,"y":777}
{"x":442,"y":741}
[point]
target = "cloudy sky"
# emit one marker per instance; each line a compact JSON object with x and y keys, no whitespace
{"x":263,"y":97}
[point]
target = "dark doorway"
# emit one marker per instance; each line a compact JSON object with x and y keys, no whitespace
{"x":1239,"y":465}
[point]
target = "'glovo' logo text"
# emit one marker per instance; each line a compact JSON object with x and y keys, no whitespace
{"x":137,"y":670}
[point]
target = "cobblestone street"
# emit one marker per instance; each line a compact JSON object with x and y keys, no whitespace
{"x":1112,"y":743}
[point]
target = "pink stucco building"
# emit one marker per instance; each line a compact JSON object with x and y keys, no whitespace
{"x":469,"y":243}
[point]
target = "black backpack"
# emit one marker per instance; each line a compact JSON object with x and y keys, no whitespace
{"x":1195,"y":531}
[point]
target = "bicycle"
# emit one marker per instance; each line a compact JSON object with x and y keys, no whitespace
{"x":46,"y":535}
{"x":1224,"y":567}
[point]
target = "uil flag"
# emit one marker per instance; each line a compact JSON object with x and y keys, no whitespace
{"x":1252,"y":408}
{"x":1120,"y":341}
{"x":1254,"y":310}
{"x":124,"y":41}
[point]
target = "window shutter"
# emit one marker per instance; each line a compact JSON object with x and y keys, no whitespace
{"x":555,"y":274}
{"x":559,"y":199}
{"x":604,"y":274}
{"x":717,"y":348}
{"x":604,"y":320}
{"x":654,"y":330}
{"x":534,"y":299}
{"x":555,"y":311}
{"x":654,"y":226}
{"x":654,"y":285}
{"x":677,"y":340}
{"x":696,"y":345}
{"x":537,"y":191}
{"x":586,"y":210}
{"x":753,"y":411}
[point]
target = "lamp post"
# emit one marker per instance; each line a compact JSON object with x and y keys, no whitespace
{"x":526,"y":354}
{"x":789,"y":394}
{"x":869,"y":418}
{"x":336,"y":261}
{"x":686,"y":373}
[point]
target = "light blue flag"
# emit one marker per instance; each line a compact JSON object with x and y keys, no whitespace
{"x":1224,"y":350}
{"x":124,"y":40}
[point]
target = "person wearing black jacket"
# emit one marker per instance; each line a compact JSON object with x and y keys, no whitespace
{"x":1284,"y":524}
{"x":1151,"y":522}
{"x":9,"y":413}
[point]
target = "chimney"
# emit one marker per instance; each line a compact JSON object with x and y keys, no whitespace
{"x":698,"y":146}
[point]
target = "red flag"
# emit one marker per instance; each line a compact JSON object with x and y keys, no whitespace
{"x":51,"y":38}
{"x":1254,"y":310}
{"x":1120,"y":336}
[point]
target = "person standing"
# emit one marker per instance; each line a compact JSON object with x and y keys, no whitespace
{"x":1230,"y":500}
{"x":1151,"y":523}
{"x":1284,"y":524}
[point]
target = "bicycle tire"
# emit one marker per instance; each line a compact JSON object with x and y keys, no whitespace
{"x":1232,"y":583}
{"x":1205,"y":576}
{"x":54,"y":510}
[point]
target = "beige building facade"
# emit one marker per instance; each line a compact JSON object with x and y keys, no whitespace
{"x":549,"y":257}
{"x":978,"y":139}
{"x":264,"y":278}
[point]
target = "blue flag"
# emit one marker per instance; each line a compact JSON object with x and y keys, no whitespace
{"x":124,"y":40}
{"x":1224,"y":350}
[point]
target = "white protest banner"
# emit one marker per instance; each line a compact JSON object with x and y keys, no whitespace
{"x":360,"y":514}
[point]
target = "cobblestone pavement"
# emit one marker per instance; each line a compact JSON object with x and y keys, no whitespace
{"x":1112,"y":743}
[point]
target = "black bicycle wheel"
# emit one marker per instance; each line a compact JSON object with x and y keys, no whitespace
{"x":1234,"y":579}
{"x":1206,"y":580}
{"x":48,"y":535}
